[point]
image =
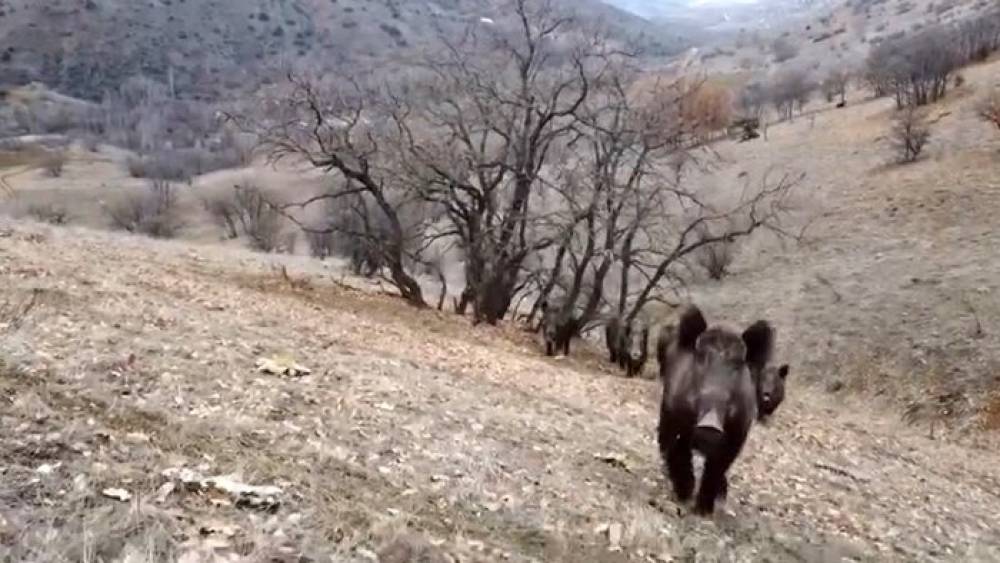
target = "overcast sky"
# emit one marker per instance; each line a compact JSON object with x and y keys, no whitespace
{"x":720,"y":2}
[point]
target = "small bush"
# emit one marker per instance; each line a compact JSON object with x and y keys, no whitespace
{"x":259,"y":221}
{"x":53,"y":164}
{"x":151,"y":211}
{"x":716,"y":258}
{"x":50,"y":213}
{"x":784,"y":50}
{"x":181,"y":165}
{"x":989,"y":108}
{"x":910,"y":133}
{"x":246,"y":212}
{"x":321,"y":244}
{"x":222,"y":210}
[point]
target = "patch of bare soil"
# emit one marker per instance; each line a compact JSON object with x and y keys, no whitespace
{"x":138,"y":428}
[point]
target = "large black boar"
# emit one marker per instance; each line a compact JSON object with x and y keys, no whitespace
{"x":709,"y":401}
{"x":559,"y":326}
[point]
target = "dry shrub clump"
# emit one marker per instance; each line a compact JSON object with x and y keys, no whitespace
{"x":909,"y":134}
{"x":989,"y":108}
{"x":151,"y":211}
{"x":54,"y":163}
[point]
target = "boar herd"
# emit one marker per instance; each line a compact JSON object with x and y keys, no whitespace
{"x":716,"y":380}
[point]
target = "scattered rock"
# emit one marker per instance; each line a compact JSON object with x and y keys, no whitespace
{"x":48,"y":468}
{"x":117,"y":494}
{"x":136,"y":438}
{"x":164,"y":491}
{"x":615,"y":532}
{"x":243,"y":495}
{"x":282,"y":365}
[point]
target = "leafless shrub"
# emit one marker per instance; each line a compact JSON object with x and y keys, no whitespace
{"x":783,"y":50}
{"x":12,"y":145}
{"x":909,"y":134}
{"x":752,"y":100}
{"x":789,"y":91}
{"x":51,"y":213}
{"x":181,"y":165}
{"x":835,"y":85}
{"x":321,"y":244}
{"x":716,"y":258}
{"x":259,"y":220}
{"x":150,"y":211}
{"x":53,"y":163}
{"x":45,"y":118}
{"x":976,"y":38}
{"x":246,"y":212}
{"x":222,"y":210}
{"x":989,"y":108}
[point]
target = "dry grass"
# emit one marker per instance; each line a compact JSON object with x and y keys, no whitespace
{"x":416,"y":433}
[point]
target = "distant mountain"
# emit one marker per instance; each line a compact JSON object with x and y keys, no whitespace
{"x":652,"y":9}
{"x":208,"y":48}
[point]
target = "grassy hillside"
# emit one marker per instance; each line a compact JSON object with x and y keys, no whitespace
{"x":818,"y":36}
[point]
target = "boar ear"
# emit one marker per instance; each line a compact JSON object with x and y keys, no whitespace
{"x":759,"y":340}
{"x":783,"y":371}
{"x":691,"y":325}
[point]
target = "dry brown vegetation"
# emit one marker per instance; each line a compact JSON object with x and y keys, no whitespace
{"x":989,"y":108}
{"x":413,"y":428}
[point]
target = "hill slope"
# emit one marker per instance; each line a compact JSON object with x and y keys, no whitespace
{"x":209,"y":47}
{"x":141,"y":359}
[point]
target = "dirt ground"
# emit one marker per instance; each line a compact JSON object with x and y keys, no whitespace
{"x":415,"y":434}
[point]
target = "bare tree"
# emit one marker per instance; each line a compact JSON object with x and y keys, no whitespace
{"x":752,"y":100}
{"x":500,"y":100}
{"x":910,"y":133}
{"x":978,"y":37}
{"x":835,"y":85}
{"x":915,"y":69}
{"x":519,"y":146}
{"x":628,"y":225}
{"x":784,"y":50}
{"x":347,"y":130}
{"x":789,"y":91}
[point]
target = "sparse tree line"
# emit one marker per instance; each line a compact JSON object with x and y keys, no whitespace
{"x":523,"y":155}
{"x":919,"y":69}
